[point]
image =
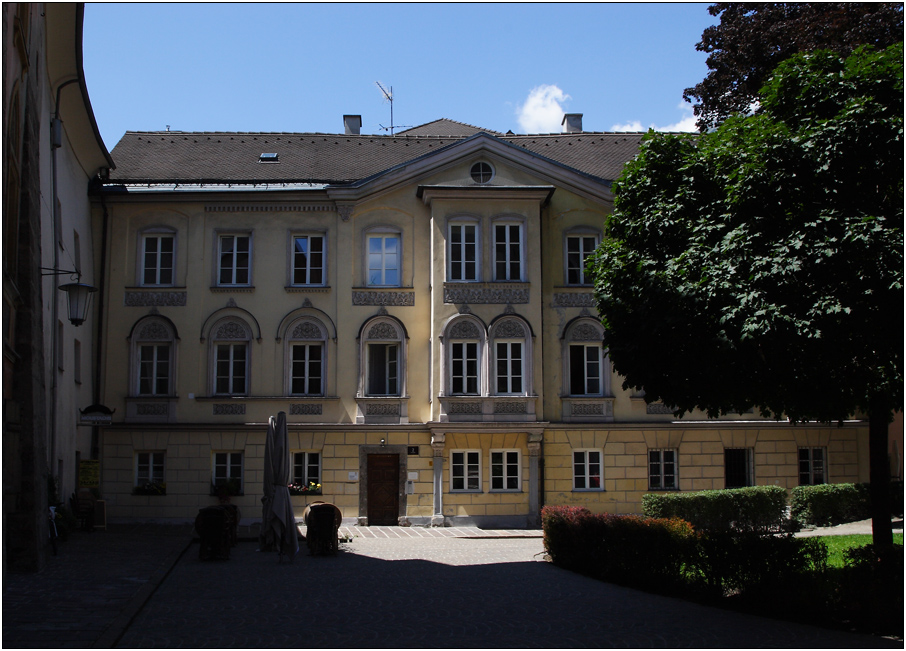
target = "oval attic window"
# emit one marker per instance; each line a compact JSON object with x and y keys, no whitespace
{"x":482,"y":172}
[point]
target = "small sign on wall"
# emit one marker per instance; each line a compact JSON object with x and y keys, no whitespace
{"x":353,"y":475}
{"x":412,"y":450}
{"x":412,"y":475}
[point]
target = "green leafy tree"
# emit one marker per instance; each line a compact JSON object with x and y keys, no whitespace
{"x":760,"y":265}
{"x":753,"y":38}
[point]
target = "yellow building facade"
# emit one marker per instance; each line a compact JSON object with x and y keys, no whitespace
{"x":417,"y":305}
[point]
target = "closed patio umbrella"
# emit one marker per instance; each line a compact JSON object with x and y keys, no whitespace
{"x":278,"y":522}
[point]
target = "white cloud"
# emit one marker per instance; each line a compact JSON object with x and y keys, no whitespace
{"x":686,"y":123}
{"x":542,"y":111}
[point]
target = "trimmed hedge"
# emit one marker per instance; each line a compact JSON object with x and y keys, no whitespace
{"x":758,"y":509}
{"x":625,"y":549}
{"x":830,"y":504}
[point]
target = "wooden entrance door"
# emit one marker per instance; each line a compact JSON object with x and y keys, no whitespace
{"x":383,"y":489}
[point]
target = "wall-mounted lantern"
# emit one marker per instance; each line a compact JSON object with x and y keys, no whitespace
{"x":77,"y":293}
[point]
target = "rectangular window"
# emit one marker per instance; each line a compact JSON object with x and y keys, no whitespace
{"x":509,"y":367}
{"x":384,"y":260}
{"x":661,"y":469}
{"x":157,"y":259}
{"x":812,"y":465}
{"x":465,"y":470}
{"x":587,"y":470}
{"x":306,"y":468}
{"x":231,"y":372}
{"x":235,"y":257}
{"x":505,"y":466}
{"x":149,"y":468}
{"x":383,"y":369}
{"x":464,"y":367}
{"x":228,"y":471}
{"x":508,"y":252}
{"x":578,"y":248}
{"x":308,"y":260}
{"x":738,"y":471}
{"x":154,"y":370}
{"x":463,"y":252}
{"x":307,"y":360}
{"x":585,"y":370}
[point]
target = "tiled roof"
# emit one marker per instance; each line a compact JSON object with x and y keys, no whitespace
{"x":233,"y":157}
{"x":445,"y":127}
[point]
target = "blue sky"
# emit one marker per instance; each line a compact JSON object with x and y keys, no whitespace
{"x":301,"y":67}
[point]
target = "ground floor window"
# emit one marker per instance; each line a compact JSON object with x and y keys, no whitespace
{"x":505,"y":466}
{"x":661,"y":469}
{"x":307,"y":469}
{"x":149,"y":468}
{"x":812,"y":465}
{"x":465,"y":470}
{"x":227,"y":476}
{"x":738,"y":468}
{"x":587,"y":470}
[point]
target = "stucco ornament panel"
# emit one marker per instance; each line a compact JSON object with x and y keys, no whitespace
{"x":571,"y":299}
{"x":306,"y":409}
{"x":147,"y":299}
{"x":585,"y":332}
{"x":464,"y":330}
{"x":231,"y":330}
{"x":510,"y":329}
{"x":383,"y":331}
{"x":154,"y":331}
{"x":398,"y":299}
{"x":485,"y":294}
{"x":307,"y":330}
{"x":229,"y":410}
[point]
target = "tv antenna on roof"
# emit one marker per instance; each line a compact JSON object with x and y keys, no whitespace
{"x":388,"y":95}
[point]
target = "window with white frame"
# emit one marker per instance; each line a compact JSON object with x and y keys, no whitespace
{"x":384,"y":358}
{"x":149,"y":468}
{"x":234,"y":259}
{"x":508,"y":252}
{"x":465,"y":470}
{"x":463,"y":252}
{"x":578,"y":248}
{"x":158,"y":259}
{"x":510,"y":348}
{"x":738,"y":468}
{"x":585,"y":366}
{"x":230,"y":349}
{"x":662,"y":469}
{"x":153,"y":342}
{"x":306,"y":468}
{"x":227,"y":472}
{"x":308,"y":260}
{"x":305,"y":358}
{"x":506,"y":470}
{"x":587,"y":468}
{"x":812,"y":466}
{"x":464,"y":370}
{"x":384,"y":260}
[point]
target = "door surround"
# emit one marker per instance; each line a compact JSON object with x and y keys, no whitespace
{"x":364,"y":451}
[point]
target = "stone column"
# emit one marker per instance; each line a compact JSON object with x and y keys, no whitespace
{"x":534,"y":448}
{"x":438,"y":441}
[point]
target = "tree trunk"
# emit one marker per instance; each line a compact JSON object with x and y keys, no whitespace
{"x":879,"y":476}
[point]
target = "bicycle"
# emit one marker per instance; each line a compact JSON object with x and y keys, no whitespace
{"x":52,"y":529}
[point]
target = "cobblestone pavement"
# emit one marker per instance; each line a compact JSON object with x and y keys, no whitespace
{"x":140,"y":586}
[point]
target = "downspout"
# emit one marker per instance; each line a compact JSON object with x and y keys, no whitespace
{"x":56,"y":141}
{"x":99,"y":337}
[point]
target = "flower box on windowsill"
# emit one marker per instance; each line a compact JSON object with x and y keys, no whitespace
{"x":150,"y":488}
{"x":301,"y":489}
{"x":225,"y":489}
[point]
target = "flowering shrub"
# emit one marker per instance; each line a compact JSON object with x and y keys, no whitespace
{"x":298,"y":488}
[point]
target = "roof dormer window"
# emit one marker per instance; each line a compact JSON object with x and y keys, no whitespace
{"x":268,"y":158}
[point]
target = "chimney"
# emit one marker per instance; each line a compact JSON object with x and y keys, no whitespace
{"x":353,"y":124}
{"x":573,"y":122}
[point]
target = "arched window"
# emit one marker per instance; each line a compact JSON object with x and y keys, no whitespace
{"x":306,"y":357}
{"x":383,"y":358}
{"x":511,"y":357}
{"x":153,"y":355}
{"x":465,"y":351}
{"x":587,"y":370}
{"x":230,"y":350}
